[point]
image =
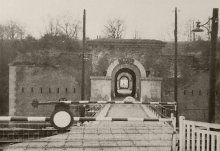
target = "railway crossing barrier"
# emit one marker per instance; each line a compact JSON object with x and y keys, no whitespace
{"x":64,"y":101}
{"x":23,"y":119}
{"x":62,"y":119}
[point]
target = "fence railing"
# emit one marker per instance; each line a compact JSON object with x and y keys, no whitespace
{"x":198,"y":136}
{"x":163,"y":111}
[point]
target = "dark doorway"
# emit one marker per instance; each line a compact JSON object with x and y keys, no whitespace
{"x":125,"y":83}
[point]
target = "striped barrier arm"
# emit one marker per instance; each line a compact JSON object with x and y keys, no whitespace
{"x":35,"y":102}
{"x":121,"y":119}
{"x":23,"y":119}
{"x":47,"y":119}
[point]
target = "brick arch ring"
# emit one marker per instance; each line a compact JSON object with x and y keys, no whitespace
{"x":136,"y":63}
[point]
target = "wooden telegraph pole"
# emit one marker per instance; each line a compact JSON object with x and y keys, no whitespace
{"x":212,"y":66}
{"x":83,"y":55}
{"x":82,"y":108}
{"x":175,"y":67}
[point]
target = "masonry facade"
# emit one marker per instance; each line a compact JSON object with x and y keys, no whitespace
{"x":113,"y":59}
{"x":141,"y":68}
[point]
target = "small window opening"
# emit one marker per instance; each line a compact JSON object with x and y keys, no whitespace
{"x":200,"y":92}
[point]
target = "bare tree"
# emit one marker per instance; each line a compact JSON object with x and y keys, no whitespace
{"x":137,"y":34}
{"x":64,"y":25}
{"x":12,"y":30}
{"x":52,"y":26}
{"x":70,"y":27}
{"x":115,"y":28}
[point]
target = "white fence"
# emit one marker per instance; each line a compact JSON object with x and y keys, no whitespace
{"x":198,"y":136}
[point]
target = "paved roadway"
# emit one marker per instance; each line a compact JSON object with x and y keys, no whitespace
{"x":126,"y":110}
{"x":114,"y":136}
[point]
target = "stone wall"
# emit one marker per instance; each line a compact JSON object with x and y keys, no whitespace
{"x":104,"y":52}
{"x":193,"y":74}
{"x":42,"y":83}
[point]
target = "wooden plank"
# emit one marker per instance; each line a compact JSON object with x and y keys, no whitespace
{"x":207,"y":125}
{"x":193,"y":138}
{"x":218,"y":142}
{"x":208,"y":142}
{"x":198,"y":140}
{"x":188,"y":136}
{"x":213,"y":143}
{"x":184,"y":136}
{"x":182,"y":133}
{"x":203,"y":142}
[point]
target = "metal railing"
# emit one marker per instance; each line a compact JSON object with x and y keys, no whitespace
{"x":163,"y":111}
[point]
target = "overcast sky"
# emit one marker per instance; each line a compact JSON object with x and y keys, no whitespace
{"x":151,"y":18}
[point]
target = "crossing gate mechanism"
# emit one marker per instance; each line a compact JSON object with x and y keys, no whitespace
{"x":64,"y":101}
{"x":62,"y":119}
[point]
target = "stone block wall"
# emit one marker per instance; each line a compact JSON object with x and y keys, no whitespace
{"x":42,"y":83}
{"x":193,"y":98}
{"x":104,"y":52}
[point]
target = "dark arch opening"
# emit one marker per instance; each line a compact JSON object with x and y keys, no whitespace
{"x":131,"y":72}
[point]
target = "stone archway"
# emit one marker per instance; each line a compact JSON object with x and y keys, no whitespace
{"x":134,"y":67}
{"x":103,"y":87}
{"x":131,"y":77}
{"x":117,"y":62}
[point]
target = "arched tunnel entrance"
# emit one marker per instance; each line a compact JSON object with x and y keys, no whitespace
{"x":125,"y":83}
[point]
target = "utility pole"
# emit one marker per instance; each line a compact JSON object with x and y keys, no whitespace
{"x":175,"y":68}
{"x":212,"y":66}
{"x":83,"y":55}
{"x":82,"y":107}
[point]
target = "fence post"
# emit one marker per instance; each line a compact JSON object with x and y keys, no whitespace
{"x":181,"y":133}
